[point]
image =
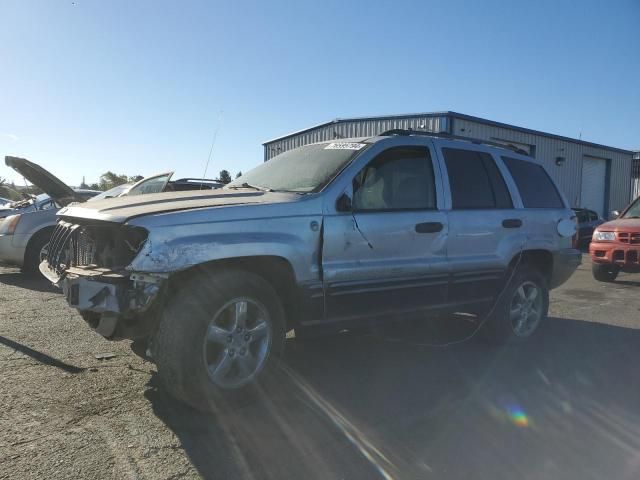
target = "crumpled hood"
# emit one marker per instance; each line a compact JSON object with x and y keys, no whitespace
{"x":121,"y":209}
{"x":630,"y":225}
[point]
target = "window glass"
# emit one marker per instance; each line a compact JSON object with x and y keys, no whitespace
{"x":152,"y":185}
{"x":592,"y":216}
{"x":49,"y":204}
{"x":535,"y":186}
{"x":634,"y":210}
{"x":475,"y":181}
{"x":583,"y":217}
{"x":500,"y":192}
{"x":397,"y":179}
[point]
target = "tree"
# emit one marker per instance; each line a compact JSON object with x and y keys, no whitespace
{"x":4,"y":189}
{"x":225,"y":176}
{"x":109,"y":180}
{"x":238,"y":175}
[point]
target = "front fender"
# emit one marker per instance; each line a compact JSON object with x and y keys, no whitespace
{"x":174,"y":254}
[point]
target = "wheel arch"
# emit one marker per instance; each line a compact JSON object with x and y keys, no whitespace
{"x":276,"y":270}
{"x":539,"y":259}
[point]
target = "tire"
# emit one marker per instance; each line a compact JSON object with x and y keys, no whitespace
{"x":212,"y":333}
{"x":35,"y":248}
{"x":508,"y":322}
{"x":604,"y":272}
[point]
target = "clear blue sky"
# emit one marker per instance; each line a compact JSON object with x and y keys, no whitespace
{"x":137,"y":87}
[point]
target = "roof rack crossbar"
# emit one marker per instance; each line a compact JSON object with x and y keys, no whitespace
{"x":450,"y":136}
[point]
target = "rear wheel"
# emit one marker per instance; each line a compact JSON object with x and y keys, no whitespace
{"x":219,"y":339}
{"x":604,"y":272}
{"x":520,"y":308}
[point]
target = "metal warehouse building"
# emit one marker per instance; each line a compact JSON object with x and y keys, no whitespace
{"x":591,"y":175}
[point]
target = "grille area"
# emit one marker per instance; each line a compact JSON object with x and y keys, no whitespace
{"x":103,"y":246}
{"x":628,"y":256}
{"x":631,"y":238}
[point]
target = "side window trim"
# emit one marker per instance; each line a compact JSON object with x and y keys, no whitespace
{"x":512,"y":191}
{"x":508,"y":179}
{"x":435,"y":170}
{"x":492,"y":181}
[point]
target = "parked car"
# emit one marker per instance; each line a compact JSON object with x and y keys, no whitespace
{"x":160,"y":182}
{"x":588,"y":220}
{"x":615,"y":246}
{"x":4,"y":201}
{"x":24,"y":235}
{"x":321,"y":238}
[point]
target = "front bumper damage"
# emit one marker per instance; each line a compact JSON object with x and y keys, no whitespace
{"x":117,"y":304}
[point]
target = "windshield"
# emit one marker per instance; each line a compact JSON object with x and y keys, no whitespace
{"x":634,"y":210}
{"x":305,"y":169}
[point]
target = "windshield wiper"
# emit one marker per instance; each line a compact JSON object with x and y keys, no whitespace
{"x":255,"y":187}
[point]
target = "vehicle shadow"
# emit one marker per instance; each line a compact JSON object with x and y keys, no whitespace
{"x":34,"y":282}
{"x":40,"y":356}
{"x":565,"y":404}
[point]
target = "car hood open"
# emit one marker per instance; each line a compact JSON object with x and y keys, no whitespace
{"x":121,"y":209}
{"x":41,"y":178}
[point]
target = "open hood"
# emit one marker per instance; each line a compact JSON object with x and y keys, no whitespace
{"x":51,"y":185}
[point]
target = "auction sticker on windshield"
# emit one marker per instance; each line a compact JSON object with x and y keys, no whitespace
{"x":345,"y":146}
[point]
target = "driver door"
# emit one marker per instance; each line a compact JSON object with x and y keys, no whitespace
{"x":389,"y":253}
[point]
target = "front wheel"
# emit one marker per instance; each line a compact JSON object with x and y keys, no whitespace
{"x":37,"y":251}
{"x":604,"y":272}
{"x":520,"y":308}
{"x":219,"y":338}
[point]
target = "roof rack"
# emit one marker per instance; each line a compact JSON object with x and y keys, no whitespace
{"x":450,"y":136}
{"x":203,"y":180}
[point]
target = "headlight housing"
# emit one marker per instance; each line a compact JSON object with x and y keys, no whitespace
{"x":9,"y":224}
{"x":604,"y":236}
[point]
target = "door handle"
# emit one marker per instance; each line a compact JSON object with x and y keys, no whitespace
{"x":512,"y":223}
{"x":429,"y":227}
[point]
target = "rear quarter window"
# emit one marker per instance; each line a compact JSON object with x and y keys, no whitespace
{"x":537,"y":190}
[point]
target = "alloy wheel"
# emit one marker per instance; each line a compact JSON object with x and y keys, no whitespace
{"x":237,"y":343}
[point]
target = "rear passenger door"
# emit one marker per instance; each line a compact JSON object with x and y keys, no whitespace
{"x":484,"y":227}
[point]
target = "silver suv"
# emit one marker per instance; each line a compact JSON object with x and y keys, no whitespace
{"x":321,"y":238}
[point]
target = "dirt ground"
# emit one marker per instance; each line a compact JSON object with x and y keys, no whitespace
{"x":565,"y":405}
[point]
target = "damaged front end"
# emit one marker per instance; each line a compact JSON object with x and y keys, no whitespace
{"x":89,"y":262}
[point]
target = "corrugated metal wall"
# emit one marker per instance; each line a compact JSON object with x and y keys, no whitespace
{"x":547,"y":149}
{"x":355,"y":128}
{"x":569,"y":174}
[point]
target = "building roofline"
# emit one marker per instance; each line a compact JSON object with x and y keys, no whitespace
{"x":454,"y":115}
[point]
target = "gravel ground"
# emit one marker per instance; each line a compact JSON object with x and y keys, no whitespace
{"x":565,"y":405}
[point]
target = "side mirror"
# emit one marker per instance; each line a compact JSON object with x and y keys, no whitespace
{"x":343,"y":204}
{"x":614,"y":214}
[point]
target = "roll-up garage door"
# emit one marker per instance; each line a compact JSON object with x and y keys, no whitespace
{"x":594,"y":171}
